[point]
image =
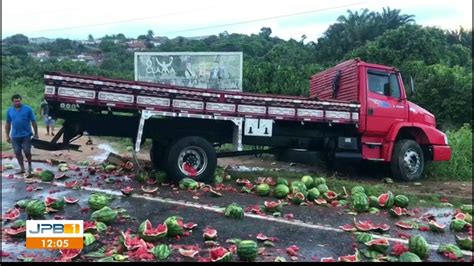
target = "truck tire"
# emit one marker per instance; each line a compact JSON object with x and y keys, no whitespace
{"x":196,"y":152}
{"x":407,"y":161}
{"x":157,"y":156}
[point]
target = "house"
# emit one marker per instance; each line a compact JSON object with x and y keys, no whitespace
{"x":136,"y":45}
{"x":40,"y":40}
{"x":40,"y":55}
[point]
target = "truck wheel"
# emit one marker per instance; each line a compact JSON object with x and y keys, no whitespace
{"x":192,"y":157}
{"x":407,"y":160}
{"x":157,"y":156}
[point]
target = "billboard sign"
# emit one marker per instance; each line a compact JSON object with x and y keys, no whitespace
{"x":204,"y":70}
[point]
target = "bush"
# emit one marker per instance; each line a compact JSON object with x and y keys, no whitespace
{"x":460,"y":165}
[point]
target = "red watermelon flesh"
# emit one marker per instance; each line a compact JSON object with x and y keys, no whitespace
{"x":404,"y":225}
{"x":15,"y":231}
{"x":348,"y":258}
{"x":218,"y":253}
{"x":70,"y":200}
{"x":348,"y":228}
{"x":11,"y":214}
{"x":209,"y":234}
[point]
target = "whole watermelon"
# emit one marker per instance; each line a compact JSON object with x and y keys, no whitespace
{"x":356,"y":189}
{"x":318,"y":181}
{"x":46,"y":176}
{"x":323,"y":188}
{"x":419,"y":246}
{"x":313,"y":194}
{"x":262,"y":189}
{"x":307,"y":181}
{"x":234,"y":211}
{"x":401,"y":201}
{"x":105,"y":215}
{"x":35,"y":208}
{"x":281,"y":191}
{"x":247,"y":250}
{"x":409,"y":257}
{"x":282,"y":181}
{"x":98,"y":200}
{"x":373,"y":201}
{"x":188,"y":183}
{"x":298,"y":186}
{"x":360,"y":202}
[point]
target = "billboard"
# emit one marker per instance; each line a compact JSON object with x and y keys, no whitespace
{"x":204,"y":70}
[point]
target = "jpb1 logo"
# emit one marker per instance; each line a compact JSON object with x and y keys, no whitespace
{"x":54,"y":234}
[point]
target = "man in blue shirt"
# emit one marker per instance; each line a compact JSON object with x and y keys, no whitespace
{"x":21,"y":117}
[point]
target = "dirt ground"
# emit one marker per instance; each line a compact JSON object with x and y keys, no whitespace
{"x":100,"y":148}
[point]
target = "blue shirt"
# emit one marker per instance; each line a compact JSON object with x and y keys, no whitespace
{"x":21,"y":120}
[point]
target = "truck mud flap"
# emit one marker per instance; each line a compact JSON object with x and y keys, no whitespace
{"x":49,"y":146}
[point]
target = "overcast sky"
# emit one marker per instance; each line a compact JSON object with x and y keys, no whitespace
{"x":287,"y":19}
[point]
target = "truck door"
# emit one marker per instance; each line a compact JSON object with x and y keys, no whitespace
{"x":386,"y":102}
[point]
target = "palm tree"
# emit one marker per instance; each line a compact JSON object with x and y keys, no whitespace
{"x":391,"y":18}
{"x":357,"y":26}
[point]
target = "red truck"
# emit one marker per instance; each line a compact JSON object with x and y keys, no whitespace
{"x":355,"y":111}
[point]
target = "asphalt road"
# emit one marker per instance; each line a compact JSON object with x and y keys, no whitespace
{"x":314,"y":229}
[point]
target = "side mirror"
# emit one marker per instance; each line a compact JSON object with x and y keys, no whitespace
{"x":412,"y":86}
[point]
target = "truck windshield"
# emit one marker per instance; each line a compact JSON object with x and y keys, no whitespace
{"x":378,"y":81}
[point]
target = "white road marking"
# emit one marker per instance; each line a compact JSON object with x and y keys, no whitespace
{"x":220,"y":210}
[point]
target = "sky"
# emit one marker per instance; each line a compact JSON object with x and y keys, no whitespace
{"x":287,"y":18}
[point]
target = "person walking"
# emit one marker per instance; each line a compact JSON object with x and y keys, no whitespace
{"x":20,"y":118}
{"x":47,"y":119}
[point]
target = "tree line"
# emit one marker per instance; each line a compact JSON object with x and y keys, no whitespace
{"x":439,"y":60}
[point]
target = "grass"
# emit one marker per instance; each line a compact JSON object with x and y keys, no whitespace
{"x":337,"y":185}
{"x":6,"y":146}
{"x":31,"y":93}
{"x":460,"y":166}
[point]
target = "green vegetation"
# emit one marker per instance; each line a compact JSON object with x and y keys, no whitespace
{"x":460,"y":166}
{"x":6,"y":146}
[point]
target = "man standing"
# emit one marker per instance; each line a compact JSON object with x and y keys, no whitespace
{"x":20,"y":116}
{"x":48,"y":120}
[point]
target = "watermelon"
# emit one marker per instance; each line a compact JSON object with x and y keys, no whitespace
{"x":243,"y":181}
{"x":54,"y":203}
{"x":327,"y":259}
{"x":17,"y":232}
{"x":175,"y":226}
{"x":161,"y":251}
{"x":451,"y":248}
{"x":318,"y":181}
{"x":298,"y":186}
{"x":401,"y":201}
{"x":190,"y":253}
{"x":209,"y":234}
{"x":357,"y":189}
{"x":220,"y":254}
{"x":59,"y":176}
{"x":297,"y":198}
{"x":110,"y":168}
{"x":282,"y":181}
{"x":70,"y":200}
{"x":320,"y":201}
{"x":247,"y":250}
{"x":273,"y":206}
{"x":348,"y":228}
{"x":465,"y":243}
{"x":307,"y":181}
{"x":363,"y":237}
{"x":234,"y":211}
{"x":105,"y":215}
{"x":149,"y":190}
{"x":35,"y":208}
{"x":127,"y":190}
{"x":188,"y":184}
{"x":18,"y":224}
{"x":373,"y":201}
{"x":436,"y":227}
{"x":386,"y":200}
{"x":323,"y":188}
{"x":466,"y":208}
{"x":404,"y":225}
{"x":380,"y":245}
{"x":330,"y":195}
{"x":419,"y":246}
{"x":150,"y":234}
{"x":263,"y":189}
{"x":313,"y":194}
{"x":46,"y":176}
{"x":98,"y":200}
{"x":22,"y":203}
{"x":409,"y":257}
{"x":360,"y":202}
{"x":458,"y":225}
{"x":395,"y":212}
{"x":214,"y":193}
{"x":363,"y":226}
{"x":281,"y":191}
{"x":11,"y":214}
